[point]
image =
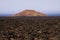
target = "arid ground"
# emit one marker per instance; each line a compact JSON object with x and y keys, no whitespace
{"x":30,"y":28}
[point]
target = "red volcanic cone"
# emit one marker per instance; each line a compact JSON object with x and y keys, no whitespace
{"x":29,"y":13}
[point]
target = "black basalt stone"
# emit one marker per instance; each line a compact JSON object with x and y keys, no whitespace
{"x":29,"y":28}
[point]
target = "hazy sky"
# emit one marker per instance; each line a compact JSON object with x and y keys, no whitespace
{"x":13,"y":6}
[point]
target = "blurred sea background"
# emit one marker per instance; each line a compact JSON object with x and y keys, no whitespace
{"x":49,"y":14}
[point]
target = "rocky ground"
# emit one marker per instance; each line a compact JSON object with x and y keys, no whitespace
{"x":29,"y":28}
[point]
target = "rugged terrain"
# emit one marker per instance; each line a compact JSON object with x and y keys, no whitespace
{"x":29,"y":28}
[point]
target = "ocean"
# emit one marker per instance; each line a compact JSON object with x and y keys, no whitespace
{"x":49,"y":14}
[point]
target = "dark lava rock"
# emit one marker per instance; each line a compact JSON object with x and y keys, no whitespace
{"x":29,"y":28}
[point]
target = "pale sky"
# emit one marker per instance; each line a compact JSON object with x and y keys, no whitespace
{"x":14,"y":6}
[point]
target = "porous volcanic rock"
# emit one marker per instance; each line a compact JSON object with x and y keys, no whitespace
{"x":29,"y":13}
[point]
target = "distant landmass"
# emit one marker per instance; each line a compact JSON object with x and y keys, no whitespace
{"x":29,"y":13}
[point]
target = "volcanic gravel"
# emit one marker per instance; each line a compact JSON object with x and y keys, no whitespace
{"x":29,"y":28}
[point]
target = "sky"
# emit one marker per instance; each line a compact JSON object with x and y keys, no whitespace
{"x":14,"y":6}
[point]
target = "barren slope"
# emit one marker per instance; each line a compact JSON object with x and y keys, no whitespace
{"x":29,"y":13}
